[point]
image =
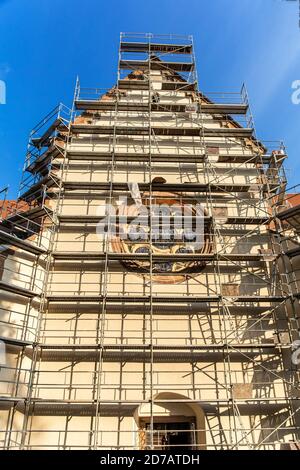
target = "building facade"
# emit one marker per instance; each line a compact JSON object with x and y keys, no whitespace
{"x":146,"y":302}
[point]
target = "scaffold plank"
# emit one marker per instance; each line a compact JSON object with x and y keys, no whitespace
{"x":19,"y":243}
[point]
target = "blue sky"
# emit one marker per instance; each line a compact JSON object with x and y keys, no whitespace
{"x":44,"y":44}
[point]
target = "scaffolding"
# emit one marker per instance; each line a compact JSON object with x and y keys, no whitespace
{"x":150,"y":345}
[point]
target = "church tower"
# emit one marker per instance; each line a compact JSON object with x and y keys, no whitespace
{"x":145,"y":302}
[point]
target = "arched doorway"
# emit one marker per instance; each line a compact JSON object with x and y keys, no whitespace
{"x":177,"y":424}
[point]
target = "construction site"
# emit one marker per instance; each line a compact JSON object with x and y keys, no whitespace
{"x":120,"y":335}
